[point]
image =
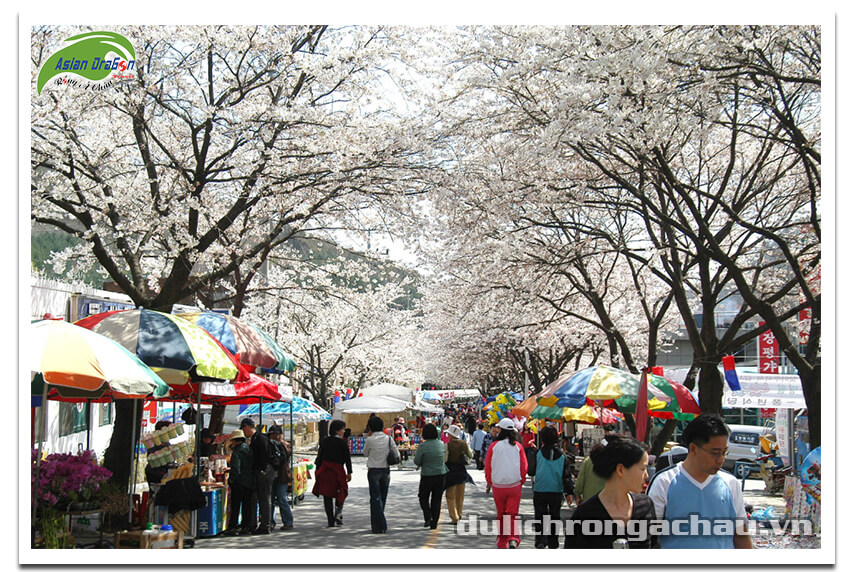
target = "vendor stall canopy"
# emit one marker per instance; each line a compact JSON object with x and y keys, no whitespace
{"x":250,"y":344}
{"x":177,"y":350}
{"x":301,"y":409}
{"x":77,"y":364}
{"x":372,"y":404}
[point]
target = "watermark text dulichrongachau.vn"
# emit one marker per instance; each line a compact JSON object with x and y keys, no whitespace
{"x":635,"y":530}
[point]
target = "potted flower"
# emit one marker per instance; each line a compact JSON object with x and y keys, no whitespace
{"x":66,"y":482}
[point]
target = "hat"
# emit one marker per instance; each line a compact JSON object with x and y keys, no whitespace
{"x":276,"y":429}
{"x":506,"y":423}
{"x":453,"y":431}
{"x":247,"y":422}
{"x":237,"y":434}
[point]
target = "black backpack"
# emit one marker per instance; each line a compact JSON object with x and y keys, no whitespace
{"x":277,"y":455}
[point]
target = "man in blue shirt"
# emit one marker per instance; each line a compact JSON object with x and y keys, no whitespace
{"x":477,"y":445}
{"x":702,"y":506}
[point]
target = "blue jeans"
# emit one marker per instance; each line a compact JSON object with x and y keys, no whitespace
{"x":378,"y":480}
{"x":279,"y":498}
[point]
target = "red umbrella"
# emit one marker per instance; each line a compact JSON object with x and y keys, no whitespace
{"x":240,"y":393}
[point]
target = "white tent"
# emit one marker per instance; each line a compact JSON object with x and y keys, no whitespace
{"x":371,"y":404}
{"x":390,"y":390}
{"x":424,"y":406}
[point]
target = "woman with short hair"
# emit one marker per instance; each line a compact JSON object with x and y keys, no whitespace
{"x":430,"y":457}
{"x":552,"y":483}
{"x":333,"y":472}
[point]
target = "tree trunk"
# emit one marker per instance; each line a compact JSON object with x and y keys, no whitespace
{"x":126,"y":434}
{"x":663,"y":436}
{"x":710,"y":388}
{"x":812,"y":394}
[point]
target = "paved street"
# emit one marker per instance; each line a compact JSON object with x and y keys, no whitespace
{"x":402,"y":512}
{"x":405,"y":518}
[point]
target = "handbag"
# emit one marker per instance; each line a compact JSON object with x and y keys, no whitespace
{"x":393,"y":454}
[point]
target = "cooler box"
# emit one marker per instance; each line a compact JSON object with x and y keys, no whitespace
{"x":210,"y":518}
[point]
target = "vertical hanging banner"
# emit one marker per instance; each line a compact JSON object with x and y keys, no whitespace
{"x":768,"y":352}
{"x":805,"y":317}
{"x":150,"y":411}
{"x":783,"y":433}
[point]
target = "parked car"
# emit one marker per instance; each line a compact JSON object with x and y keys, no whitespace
{"x":744,"y":444}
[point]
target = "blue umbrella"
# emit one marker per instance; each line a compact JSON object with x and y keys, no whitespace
{"x":302,"y":408}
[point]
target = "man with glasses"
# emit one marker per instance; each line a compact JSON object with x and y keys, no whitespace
{"x":702,"y":506}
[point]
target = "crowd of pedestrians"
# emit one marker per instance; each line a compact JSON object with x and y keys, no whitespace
{"x":609,"y":486}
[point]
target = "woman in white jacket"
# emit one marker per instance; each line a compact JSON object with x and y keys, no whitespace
{"x":376,"y":447}
{"x":506,"y":468}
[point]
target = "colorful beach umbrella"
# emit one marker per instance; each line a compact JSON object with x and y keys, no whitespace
{"x":688,"y":407}
{"x":285,"y":362}
{"x":78,"y":364}
{"x":525,"y":408}
{"x":585,"y":414}
{"x":248,"y":342}
{"x":606,"y":384}
{"x":174,"y":348}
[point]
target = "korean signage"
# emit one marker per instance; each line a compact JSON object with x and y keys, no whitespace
{"x":768,"y":352}
{"x":783,"y":431}
{"x":760,"y":391}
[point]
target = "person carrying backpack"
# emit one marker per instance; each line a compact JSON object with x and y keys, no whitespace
{"x":279,"y":459}
{"x":553,"y":484}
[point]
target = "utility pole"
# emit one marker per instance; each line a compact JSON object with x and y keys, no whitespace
{"x":526,"y":376}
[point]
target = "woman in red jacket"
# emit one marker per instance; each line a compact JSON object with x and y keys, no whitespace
{"x":505,"y":468}
{"x":333,"y":472}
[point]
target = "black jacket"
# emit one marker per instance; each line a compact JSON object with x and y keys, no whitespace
{"x":260,"y":451}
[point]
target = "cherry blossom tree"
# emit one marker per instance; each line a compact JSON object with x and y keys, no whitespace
{"x":704,"y":140}
{"x":228,"y":141}
{"x":342,"y":331}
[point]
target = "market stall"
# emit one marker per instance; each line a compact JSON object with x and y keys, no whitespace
{"x":70,"y":363}
{"x":356,"y":412}
{"x":293,"y":414}
{"x":211,"y":519}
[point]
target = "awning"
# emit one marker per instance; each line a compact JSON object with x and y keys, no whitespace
{"x":371,"y":404}
{"x":390,"y":390}
{"x":424,"y":406}
{"x":446,"y":394}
